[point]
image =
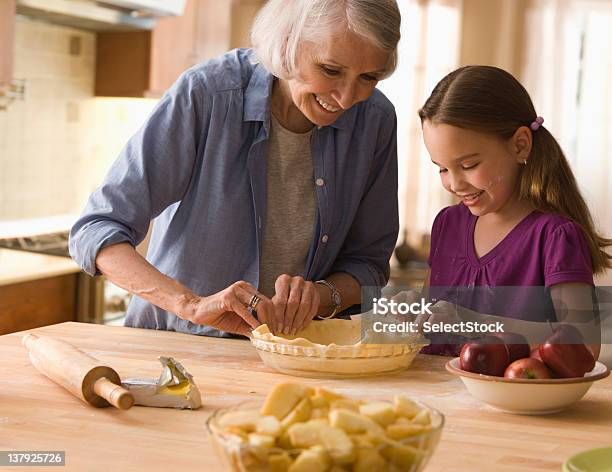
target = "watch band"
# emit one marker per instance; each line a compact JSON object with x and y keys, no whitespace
{"x":335,"y":297}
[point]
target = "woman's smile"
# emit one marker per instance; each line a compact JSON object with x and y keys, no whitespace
{"x":326,"y":106}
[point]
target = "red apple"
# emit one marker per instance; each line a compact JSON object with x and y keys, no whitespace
{"x":528,"y":368}
{"x":488,"y":356}
{"x":566,"y":354}
{"x":518,"y":347}
{"x":535,"y":353}
{"x":568,"y":334}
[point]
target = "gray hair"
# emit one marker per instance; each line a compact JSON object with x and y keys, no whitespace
{"x":283,"y":25}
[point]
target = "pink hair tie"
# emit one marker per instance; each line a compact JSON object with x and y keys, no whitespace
{"x":535,"y":124}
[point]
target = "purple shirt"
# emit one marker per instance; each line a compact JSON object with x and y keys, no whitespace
{"x":544,"y":249}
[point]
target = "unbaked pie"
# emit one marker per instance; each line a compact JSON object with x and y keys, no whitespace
{"x":333,"y":348}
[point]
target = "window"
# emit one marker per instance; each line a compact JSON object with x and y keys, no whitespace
{"x":428,"y":50}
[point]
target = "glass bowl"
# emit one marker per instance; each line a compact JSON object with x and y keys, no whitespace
{"x":409,"y":454}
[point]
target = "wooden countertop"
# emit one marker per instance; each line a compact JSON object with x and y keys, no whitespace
{"x":22,"y":266}
{"x":36,"y":414}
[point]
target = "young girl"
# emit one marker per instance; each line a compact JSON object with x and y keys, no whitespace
{"x":521,"y":221}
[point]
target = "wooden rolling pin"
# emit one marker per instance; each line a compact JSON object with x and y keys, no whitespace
{"x":79,"y":373}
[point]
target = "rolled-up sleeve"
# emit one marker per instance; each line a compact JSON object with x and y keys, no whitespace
{"x":152,"y":172}
{"x":371,"y":239}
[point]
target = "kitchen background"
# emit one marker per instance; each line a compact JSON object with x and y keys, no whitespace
{"x":77,"y":79}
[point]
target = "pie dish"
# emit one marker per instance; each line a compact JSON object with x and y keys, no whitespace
{"x":333,"y":348}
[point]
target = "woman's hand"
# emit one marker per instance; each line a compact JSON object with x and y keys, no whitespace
{"x":296,"y":303}
{"x":227,"y":310}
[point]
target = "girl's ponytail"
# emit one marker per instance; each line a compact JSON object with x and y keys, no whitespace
{"x":548,"y":183}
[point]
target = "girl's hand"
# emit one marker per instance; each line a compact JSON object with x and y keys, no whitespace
{"x":227,"y":310}
{"x":442,"y":312}
{"x":296,"y":303}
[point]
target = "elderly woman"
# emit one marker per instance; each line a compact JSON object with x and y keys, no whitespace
{"x":271,"y":174}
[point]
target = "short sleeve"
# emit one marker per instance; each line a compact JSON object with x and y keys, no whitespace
{"x":436,"y":230}
{"x":567,"y":257}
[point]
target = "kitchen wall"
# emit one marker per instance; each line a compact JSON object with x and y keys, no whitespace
{"x":56,"y":145}
{"x":493,"y":33}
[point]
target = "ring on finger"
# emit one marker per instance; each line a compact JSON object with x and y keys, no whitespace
{"x":253,"y":302}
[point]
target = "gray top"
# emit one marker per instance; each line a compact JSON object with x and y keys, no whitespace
{"x":291,"y":206}
{"x":198,"y":167}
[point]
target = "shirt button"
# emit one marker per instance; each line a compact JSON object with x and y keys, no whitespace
{"x":320,"y":182}
{"x":325,"y":238}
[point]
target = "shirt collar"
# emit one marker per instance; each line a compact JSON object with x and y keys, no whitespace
{"x":258,"y":94}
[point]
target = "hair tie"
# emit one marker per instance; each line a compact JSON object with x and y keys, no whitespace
{"x":535,"y":124}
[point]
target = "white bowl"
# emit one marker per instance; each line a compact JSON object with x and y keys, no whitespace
{"x":527,"y":396}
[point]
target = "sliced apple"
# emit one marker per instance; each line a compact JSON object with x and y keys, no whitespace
{"x":268,"y":425}
{"x":284,"y":441}
{"x":318,"y":433}
{"x":283,"y":398}
{"x":322,"y":412}
{"x":305,"y":434}
{"x":328,"y":394}
{"x":314,"y":459}
{"x":299,"y":414}
{"x":321,"y":421}
{"x":422,"y":417}
{"x":339,"y":445}
{"x":402,"y":420}
{"x":405,"y":407}
{"x":243,"y":419}
{"x":279,"y":462}
{"x":403,"y":430}
{"x":238,"y":432}
{"x":381,"y":412}
{"x":319,"y":401}
{"x":362,"y":440}
{"x":345,"y":403}
{"x":354,"y":423}
{"x":260,"y":445}
{"x":369,"y":460}
{"x":400,"y":455}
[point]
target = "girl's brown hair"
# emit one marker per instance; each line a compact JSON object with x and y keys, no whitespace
{"x":490,"y":100}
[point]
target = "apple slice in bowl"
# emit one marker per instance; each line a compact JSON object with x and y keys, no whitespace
{"x":527,"y":396}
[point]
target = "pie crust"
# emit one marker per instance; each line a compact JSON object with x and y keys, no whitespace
{"x":332,"y":348}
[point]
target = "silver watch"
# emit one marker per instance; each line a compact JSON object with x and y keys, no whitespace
{"x":335,"y":297}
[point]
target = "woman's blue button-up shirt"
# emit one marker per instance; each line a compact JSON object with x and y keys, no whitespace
{"x":198,"y":167}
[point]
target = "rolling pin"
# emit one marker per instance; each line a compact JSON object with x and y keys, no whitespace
{"x":79,"y":373}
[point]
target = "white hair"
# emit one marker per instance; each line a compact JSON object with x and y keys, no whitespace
{"x":283,"y":25}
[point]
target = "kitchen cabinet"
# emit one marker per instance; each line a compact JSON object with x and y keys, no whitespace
{"x":146,"y":63}
{"x":7,"y":33}
{"x":39,"y":290}
{"x":36,"y":303}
